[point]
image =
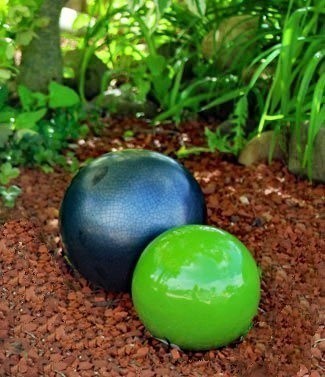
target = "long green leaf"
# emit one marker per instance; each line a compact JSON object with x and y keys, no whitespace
{"x":198,"y":7}
{"x":186,"y":93}
{"x":305,"y":86}
{"x":177,"y":83}
{"x":196,"y":100}
{"x":225,"y":98}
{"x":265,"y":63}
{"x":317,"y":120}
{"x":311,"y":48}
{"x":161,"y":5}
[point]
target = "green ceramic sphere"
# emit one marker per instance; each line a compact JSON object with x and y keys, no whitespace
{"x":197,"y":287}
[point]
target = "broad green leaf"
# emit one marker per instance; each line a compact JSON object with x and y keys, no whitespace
{"x":3,"y":5}
{"x":143,"y":87}
{"x":24,"y":38}
{"x":5,"y":74}
{"x":81,"y":21}
{"x":26,"y":97}
{"x":47,"y":168}
{"x":42,"y":22}
{"x":5,"y":132}
{"x":17,"y":11}
{"x":9,"y":195}
{"x":10,"y":51}
{"x":156,"y":63}
{"x":6,"y":116}
{"x":19,"y":134}
{"x":28,"y":120}
{"x":40,"y":100}
{"x":62,"y":96}
{"x":31,"y":100}
{"x":161,"y":86}
{"x":7,"y":173}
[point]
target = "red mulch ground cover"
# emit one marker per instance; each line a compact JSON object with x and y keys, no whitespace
{"x":53,"y":324}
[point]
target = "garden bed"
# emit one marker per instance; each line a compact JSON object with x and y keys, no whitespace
{"x":52,"y":323}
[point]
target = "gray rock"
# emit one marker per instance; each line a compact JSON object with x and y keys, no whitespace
{"x":258,"y":149}
{"x":125,"y":104}
{"x":229,"y":41}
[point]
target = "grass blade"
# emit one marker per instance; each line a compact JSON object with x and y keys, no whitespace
{"x":317,"y":120}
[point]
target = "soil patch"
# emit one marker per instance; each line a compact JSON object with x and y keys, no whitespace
{"x":52,"y":323}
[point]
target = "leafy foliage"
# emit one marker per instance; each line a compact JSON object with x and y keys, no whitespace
{"x":18,"y":25}
{"x":284,"y":83}
{"x":296,"y":93}
{"x":36,"y":134}
{"x":9,"y":195}
{"x":62,"y":96}
{"x":231,"y":59}
{"x":7,"y":172}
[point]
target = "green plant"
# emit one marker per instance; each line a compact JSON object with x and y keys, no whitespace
{"x":17,"y":28}
{"x":296,"y":93}
{"x":98,"y":36}
{"x":283,"y":86}
{"x":132,"y":40}
{"x":37,"y":133}
{"x":177,"y":80}
{"x":7,"y":173}
{"x":157,"y":51}
{"x":232,"y":140}
{"x":8,"y":194}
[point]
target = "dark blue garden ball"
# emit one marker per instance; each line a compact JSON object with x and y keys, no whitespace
{"x":119,"y":203}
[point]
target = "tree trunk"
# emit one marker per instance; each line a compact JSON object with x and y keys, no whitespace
{"x":41,"y":59}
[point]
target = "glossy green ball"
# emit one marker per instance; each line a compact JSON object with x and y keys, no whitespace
{"x":197,"y":287}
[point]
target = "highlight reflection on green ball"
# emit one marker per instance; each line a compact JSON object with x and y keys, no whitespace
{"x":197,"y":287}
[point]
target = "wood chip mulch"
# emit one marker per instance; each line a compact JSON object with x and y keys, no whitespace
{"x":52,"y":323}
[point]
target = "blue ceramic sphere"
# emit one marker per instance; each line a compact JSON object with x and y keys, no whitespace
{"x":119,"y":203}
